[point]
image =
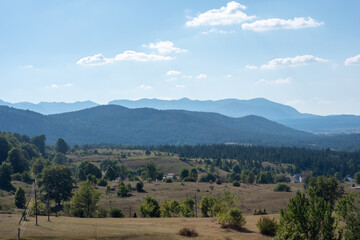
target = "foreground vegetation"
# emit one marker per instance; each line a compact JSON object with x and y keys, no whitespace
{"x":219,"y":182}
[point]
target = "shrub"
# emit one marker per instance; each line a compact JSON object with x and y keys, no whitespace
{"x":102,"y":213}
{"x":218,"y":181}
{"x":124,"y":190}
{"x":267,"y":226}
{"x":234,"y":218}
{"x":102,"y":182}
{"x":282,"y":187}
{"x":236,"y":183}
{"x":139,"y":186}
{"x":116,"y":213}
{"x":188,"y":232}
{"x":168,"y":180}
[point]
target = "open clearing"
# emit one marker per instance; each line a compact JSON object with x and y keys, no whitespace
{"x":125,"y":228}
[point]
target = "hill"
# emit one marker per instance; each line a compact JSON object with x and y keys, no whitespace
{"x":47,"y":108}
{"x":283,"y":114}
{"x":144,"y":126}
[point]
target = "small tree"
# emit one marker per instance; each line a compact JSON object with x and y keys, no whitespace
{"x":206,"y":206}
{"x":150,"y":208}
{"x":139,"y":186}
{"x":175,"y":207}
{"x":234,"y":218}
{"x":60,"y":158}
{"x":184,"y":173}
{"x":187,"y":207}
{"x":124,"y":190}
{"x":85,"y":200}
{"x":329,"y":189}
{"x":20,"y":199}
{"x":165,"y":208}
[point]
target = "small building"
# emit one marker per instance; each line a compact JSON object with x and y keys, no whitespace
{"x":349,"y":179}
{"x":297,"y":178}
{"x":170,"y":175}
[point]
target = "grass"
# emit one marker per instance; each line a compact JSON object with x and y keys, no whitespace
{"x":125,"y":228}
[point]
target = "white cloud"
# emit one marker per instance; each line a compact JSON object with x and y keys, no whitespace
{"x":68,"y":85}
{"x":165,"y":47}
{"x":187,"y":76}
{"x":276,"y":23}
{"x":171,"y":79}
{"x":143,"y":86}
{"x":173,"y":73}
{"x":53,"y":86}
{"x":353,"y":60}
{"x":252,"y":67}
{"x":292,"y":62}
{"x":231,"y":14}
{"x":201,"y":76}
{"x":214,"y":30}
{"x":180,"y":86}
{"x":280,"y":81}
{"x":228,"y":76}
{"x":99,"y":59}
{"x":28,"y":66}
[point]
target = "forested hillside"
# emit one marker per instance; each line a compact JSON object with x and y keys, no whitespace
{"x":120,"y":125}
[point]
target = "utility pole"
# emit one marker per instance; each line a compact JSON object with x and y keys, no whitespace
{"x":36,"y":207}
{"x":195,"y":207}
{"x":18,"y":234}
{"x":48,"y":205}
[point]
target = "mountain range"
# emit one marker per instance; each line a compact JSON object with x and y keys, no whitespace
{"x":283,"y":114}
{"x":146,"y":126}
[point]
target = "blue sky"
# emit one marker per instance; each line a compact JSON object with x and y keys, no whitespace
{"x":302,"y":53}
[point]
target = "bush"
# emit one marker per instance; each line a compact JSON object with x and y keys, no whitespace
{"x":267,"y":226}
{"x":102,"y":213}
{"x":102,"y":182}
{"x":116,"y":213}
{"x":282,"y":187}
{"x":236,"y":183}
{"x":218,"y":181}
{"x":168,"y":180}
{"x":234,"y":219}
{"x":139,"y":186}
{"x":188,"y":232}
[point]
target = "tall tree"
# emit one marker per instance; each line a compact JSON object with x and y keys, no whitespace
{"x":87,"y":168}
{"x":5,"y":175}
{"x":57,"y":182}
{"x":39,"y":142}
{"x":61,"y":146}
{"x":17,"y":159}
{"x":4,"y":149}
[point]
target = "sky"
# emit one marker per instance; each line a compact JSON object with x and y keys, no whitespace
{"x":305,"y":54}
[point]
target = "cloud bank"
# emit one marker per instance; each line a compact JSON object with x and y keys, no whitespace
{"x":231,"y":14}
{"x":276,"y":23}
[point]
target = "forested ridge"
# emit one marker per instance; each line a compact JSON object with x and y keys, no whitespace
{"x":321,"y":162}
